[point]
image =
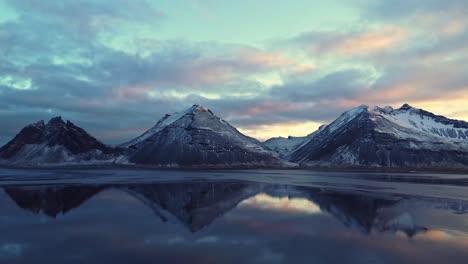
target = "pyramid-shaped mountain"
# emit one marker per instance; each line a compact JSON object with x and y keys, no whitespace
{"x":196,"y":137}
{"x":55,"y":142}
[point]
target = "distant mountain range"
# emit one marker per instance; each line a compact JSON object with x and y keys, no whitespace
{"x":362,"y":137}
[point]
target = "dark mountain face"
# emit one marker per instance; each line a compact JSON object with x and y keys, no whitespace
{"x":56,"y":141}
{"x":31,"y":134}
{"x":74,"y":138}
{"x":197,"y":137}
{"x":357,"y":134}
{"x":406,"y":137}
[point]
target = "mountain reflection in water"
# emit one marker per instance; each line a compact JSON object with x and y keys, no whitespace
{"x":268,"y":216}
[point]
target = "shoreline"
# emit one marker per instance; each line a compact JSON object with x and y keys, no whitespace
{"x":415,"y":170}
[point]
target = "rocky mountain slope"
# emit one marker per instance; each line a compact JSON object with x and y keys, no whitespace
{"x":52,"y":143}
{"x":196,"y":137}
{"x":387,"y":137}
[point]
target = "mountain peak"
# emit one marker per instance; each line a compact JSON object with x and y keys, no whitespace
{"x":363,"y":106}
{"x":405,"y":107}
{"x":54,"y":142}
{"x":166,"y":120}
{"x":199,"y":108}
{"x":387,"y":109}
{"x":356,"y":110}
{"x":56,"y":120}
{"x":38,"y":124}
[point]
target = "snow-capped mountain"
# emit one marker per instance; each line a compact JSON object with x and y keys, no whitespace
{"x":196,"y":137}
{"x":405,"y":137}
{"x":285,"y":146}
{"x":53,"y":143}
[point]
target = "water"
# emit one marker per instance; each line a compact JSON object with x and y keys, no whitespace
{"x":122,"y":216}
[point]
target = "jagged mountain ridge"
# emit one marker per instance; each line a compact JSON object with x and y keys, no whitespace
{"x":56,"y":141}
{"x":384,"y":137}
{"x":196,"y":137}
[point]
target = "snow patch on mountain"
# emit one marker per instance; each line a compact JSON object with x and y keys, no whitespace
{"x":347,"y":117}
{"x":427,"y":123}
{"x":167,"y":120}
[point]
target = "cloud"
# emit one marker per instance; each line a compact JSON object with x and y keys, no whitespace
{"x":299,"y":106}
{"x":88,"y":17}
{"x":55,"y":64}
{"x":398,"y":9}
{"x":341,"y":83}
{"x":96,"y":62}
{"x":321,"y":43}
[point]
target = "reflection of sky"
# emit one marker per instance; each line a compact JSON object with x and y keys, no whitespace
{"x":112,"y":227}
{"x":283,"y":204}
{"x":11,"y":250}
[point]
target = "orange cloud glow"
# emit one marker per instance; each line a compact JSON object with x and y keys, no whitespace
{"x":371,"y":41}
{"x":267,"y":59}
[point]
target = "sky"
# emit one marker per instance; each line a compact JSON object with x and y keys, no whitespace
{"x":270,"y":68}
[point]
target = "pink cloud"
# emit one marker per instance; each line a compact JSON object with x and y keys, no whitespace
{"x":239,"y":64}
{"x":268,"y":107}
{"x":356,"y":43}
{"x":265,"y":58}
{"x":371,"y":41}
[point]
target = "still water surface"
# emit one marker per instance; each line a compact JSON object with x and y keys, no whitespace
{"x":231,"y":217}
